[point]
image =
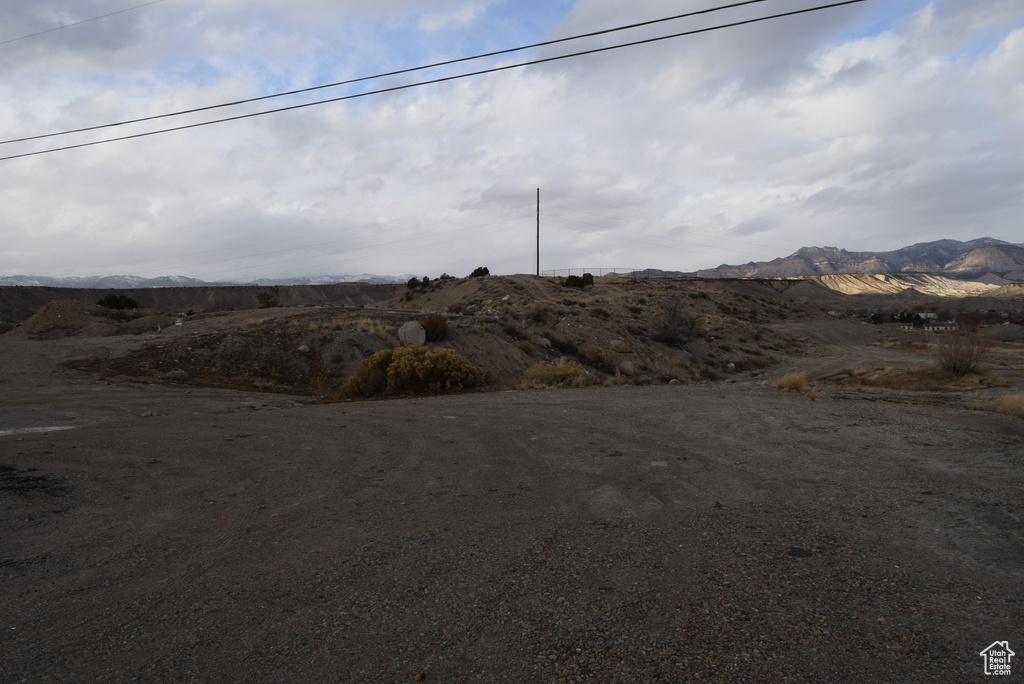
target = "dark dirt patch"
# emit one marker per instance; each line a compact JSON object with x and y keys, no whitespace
{"x":26,"y":482}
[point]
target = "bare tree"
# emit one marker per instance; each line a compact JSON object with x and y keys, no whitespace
{"x":960,"y":351}
{"x":677,"y":325}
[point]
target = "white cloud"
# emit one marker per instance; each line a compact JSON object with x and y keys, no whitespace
{"x":838,"y":128}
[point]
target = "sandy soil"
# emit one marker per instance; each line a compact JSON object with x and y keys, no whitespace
{"x":660,"y":533}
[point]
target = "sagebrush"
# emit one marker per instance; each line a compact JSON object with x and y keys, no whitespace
{"x":599,"y":358}
{"x":416,"y":369}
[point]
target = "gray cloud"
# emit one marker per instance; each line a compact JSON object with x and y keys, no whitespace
{"x":728,"y":147}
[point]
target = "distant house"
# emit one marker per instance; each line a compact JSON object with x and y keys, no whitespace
{"x":934,"y":327}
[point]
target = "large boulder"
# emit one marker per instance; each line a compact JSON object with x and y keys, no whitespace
{"x":412,"y":333}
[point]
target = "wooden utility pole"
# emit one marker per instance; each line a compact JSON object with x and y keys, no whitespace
{"x":538,"y":231}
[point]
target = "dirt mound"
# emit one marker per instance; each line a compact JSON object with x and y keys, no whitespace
{"x":1005,"y":333}
{"x":619,"y":330}
{"x":68,"y":318}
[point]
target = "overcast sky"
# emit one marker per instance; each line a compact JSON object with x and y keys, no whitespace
{"x":868,"y":127}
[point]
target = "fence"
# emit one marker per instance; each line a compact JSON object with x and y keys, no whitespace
{"x":597,"y":272}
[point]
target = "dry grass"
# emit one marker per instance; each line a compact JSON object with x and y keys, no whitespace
{"x":793,"y":382}
{"x":1006,"y":355}
{"x":564,"y":373}
{"x":755,"y":361}
{"x":906,"y":346}
{"x":539,"y":312}
{"x":928,"y":379}
{"x":371,"y":326}
{"x":1012,"y":405}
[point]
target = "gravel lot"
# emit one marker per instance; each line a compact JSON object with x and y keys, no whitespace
{"x":724,"y":532}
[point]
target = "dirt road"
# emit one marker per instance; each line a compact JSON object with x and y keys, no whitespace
{"x":669,"y":533}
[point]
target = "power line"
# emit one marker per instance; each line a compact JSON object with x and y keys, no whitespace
{"x":78,"y":23}
{"x":438,"y":80}
{"x":385,"y":75}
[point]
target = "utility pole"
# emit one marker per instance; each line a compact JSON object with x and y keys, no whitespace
{"x":538,"y":231}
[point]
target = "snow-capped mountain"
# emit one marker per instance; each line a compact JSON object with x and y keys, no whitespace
{"x":126,"y":282}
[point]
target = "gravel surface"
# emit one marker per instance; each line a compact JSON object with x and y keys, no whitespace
{"x":729,"y":532}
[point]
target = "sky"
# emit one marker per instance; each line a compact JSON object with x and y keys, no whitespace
{"x":868,"y":127}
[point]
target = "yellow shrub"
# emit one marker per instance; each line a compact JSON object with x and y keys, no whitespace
{"x":565,"y":373}
{"x":412,"y":370}
{"x":370,"y":378}
{"x":1012,"y":405}
{"x":793,"y":382}
{"x":598,"y":358}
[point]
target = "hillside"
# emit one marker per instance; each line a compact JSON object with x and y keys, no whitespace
{"x":17,"y":304}
{"x":642,"y":331}
{"x":618,"y":330}
{"x":951,"y":258}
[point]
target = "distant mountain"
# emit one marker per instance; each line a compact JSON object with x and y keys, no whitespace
{"x":123,"y":282}
{"x":952,"y":258}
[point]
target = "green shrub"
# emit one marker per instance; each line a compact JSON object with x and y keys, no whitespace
{"x":565,"y":373}
{"x":480,"y":272}
{"x":267,"y":301}
{"x":412,"y":370}
{"x":413,"y":283}
{"x":436,"y":327}
{"x":573,"y":281}
{"x":120,"y":301}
